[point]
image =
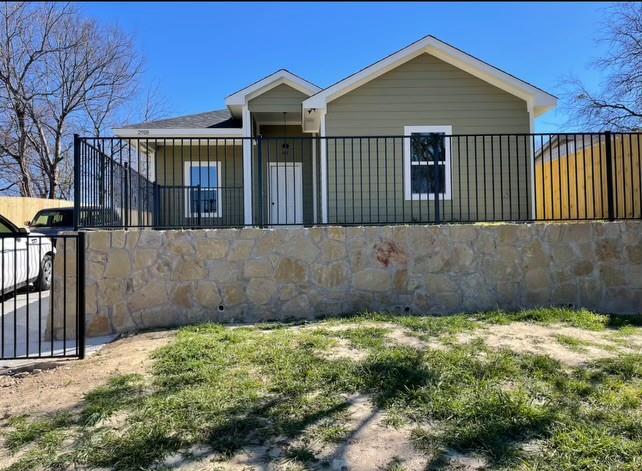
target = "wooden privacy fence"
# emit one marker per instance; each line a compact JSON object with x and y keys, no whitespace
{"x":589,"y":176}
{"x":19,"y":210}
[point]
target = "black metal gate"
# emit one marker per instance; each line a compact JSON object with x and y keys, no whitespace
{"x":41,"y":294}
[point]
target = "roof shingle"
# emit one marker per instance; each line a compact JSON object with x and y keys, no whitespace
{"x":209,"y":119}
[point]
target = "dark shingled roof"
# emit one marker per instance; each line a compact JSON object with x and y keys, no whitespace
{"x":209,"y":119}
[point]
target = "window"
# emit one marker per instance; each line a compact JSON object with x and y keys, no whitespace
{"x":202,"y":195}
{"x":53,"y":219}
{"x":421,"y":171}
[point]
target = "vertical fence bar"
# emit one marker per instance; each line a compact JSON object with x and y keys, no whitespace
{"x":80,"y":287}
{"x":77,"y":174}
{"x":609,"y":176}
{"x":437,"y":156}
{"x":259,"y":169}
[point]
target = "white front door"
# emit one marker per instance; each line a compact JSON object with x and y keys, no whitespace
{"x":286,"y":193}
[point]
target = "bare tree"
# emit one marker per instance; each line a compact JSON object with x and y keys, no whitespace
{"x":59,"y":73}
{"x":24,"y":41}
{"x":617,"y":104}
{"x":98,"y":72}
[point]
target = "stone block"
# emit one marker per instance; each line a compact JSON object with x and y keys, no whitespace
{"x":334,"y":275}
{"x":260,"y":290}
{"x":189,"y":269}
{"x":144,"y":258}
{"x":439,"y":283}
{"x":372,"y":279}
{"x":182,"y":296}
{"x":98,"y":326}
{"x":207,"y":295}
{"x":233,"y":295}
{"x":211,"y":249}
{"x":240,"y":250}
{"x":291,"y":270}
{"x":149,"y":296}
{"x":331,"y":250}
{"x":99,"y":240}
{"x":118,"y":239}
{"x":150,"y":239}
{"x":261,"y":268}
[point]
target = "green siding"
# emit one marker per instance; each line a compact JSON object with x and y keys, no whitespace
{"x":422,"y":92}
{"x":170,"y":164}
{"x":281,"y":98}
{"x":300,"y":150}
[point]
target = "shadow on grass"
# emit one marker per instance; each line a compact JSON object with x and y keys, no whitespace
{"x":232,"y":389}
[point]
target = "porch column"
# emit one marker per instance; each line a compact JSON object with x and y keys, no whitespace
{"x":324,"y":173}
{"x":531,"y":126}
{"x":247,"y":167}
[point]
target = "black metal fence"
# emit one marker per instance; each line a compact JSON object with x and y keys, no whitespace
{"x":357,"y":180}
{"x":42,"y":300}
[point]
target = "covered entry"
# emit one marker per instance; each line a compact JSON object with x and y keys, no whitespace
{"x":286,"y":195}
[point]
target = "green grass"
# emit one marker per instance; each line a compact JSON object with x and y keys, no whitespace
{"x":232,"y":388}
{"x":572,"y":342}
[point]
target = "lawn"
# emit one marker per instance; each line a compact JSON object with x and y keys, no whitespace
{"x":541,"y":389}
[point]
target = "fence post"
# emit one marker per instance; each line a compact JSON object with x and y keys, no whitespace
{"x":440,"y":141}
{"x":199,"y":204}
{"x":76,"y":181}
{"x":259,"y":170}
{"x":126,"y":195}
{"x":609,"y":177}
{"x":80,"y":288}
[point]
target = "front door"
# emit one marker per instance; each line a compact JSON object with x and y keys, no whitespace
{"x":286,"y":193}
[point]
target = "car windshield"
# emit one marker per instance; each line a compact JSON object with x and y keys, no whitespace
{"x":53,"y":219}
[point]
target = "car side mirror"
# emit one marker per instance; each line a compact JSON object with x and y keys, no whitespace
{"x":23,"y":230}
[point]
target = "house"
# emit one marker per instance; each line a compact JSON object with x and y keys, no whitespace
{"x":428,"y":133}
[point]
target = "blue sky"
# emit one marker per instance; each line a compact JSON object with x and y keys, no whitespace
{"x":198,"y":53}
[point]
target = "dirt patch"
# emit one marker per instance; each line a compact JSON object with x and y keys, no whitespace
{"x":525,"y":337}
{"x":398,"y":336}
{"x":371,"y":444}
{"x":63,"y":388}
{"x":343,"y":350}
{"x":394,"y":334}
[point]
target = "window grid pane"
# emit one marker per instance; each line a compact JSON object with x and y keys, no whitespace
{"x":203,"y":189}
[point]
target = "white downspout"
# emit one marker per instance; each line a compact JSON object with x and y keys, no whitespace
{"x":314,"y":178}
{"x":247,"y":166}
{"x":324,"y":172}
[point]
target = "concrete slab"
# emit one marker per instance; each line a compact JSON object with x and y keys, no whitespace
{"x":23,"y":326}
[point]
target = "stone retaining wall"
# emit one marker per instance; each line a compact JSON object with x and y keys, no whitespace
{"x":146,"y":279}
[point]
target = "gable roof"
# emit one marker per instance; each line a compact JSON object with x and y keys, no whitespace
{"x":208,"y":119}
{"x":538,"y":99}
{"x":281,"y":76}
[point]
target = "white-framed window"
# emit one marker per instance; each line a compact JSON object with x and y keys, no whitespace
{"x":203,"y":189}
{"x":420,"y":172}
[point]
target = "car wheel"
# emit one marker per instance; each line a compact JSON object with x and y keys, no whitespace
{"x":43,"y":283}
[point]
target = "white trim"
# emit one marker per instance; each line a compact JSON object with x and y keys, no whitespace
{"x":297,"y":204}
{"x":314,"y":180}
{"x":531,"y":127}
{"x":276,"y":123}
{"x":187,"y":181}
{"x":178,"y":132}
{"x":541,"y":100}
{"x":279,"y":77}
{"x":324,"y":173}
{"x":408,"y":131}
{"x":247,"y":167}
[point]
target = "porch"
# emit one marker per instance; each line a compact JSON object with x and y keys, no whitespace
{"x":282,"y":177}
